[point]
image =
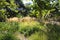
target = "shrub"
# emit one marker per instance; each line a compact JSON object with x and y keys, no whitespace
{"x":28,"y":28}
{"x":8,"y":27}
{"x":14,"y":26}
{"x":53,"y":32}
{"x":2,"y":15}
{"x":8,"y":30}
{"x":7,"y":36}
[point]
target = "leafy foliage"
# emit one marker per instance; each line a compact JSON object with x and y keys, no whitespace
{"x":29,"y":28}
{"x":7,"y":36}
{"x":8,"y":27}
{"x":34,"y":30}
{"x":7,"y":31}
{"x":45,"y":8}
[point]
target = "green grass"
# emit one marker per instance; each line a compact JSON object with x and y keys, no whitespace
{"x":9,"y":27}
{"x":28,"y":28}
{"x":7,"y":30}
{"x":38,"y":36}
{"x":8,"y":36}
{"x":31,"y":30}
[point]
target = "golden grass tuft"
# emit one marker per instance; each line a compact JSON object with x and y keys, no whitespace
{"x":24,"y":19}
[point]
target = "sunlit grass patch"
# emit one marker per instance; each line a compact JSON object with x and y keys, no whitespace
{"x":38,"y":36}
{"x":28,"y":28}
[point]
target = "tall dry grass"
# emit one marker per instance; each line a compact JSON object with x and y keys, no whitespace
{"x":24,"y":19}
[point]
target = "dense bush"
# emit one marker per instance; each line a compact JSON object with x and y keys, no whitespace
{"x":28,"y":28}
{"x":8,"y":36}
{"x":7,"y":30}
{"x":32,"y":30}
{"x":8,"y":27}
{"x":41,"y":9}
{"x":53,"y":32}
